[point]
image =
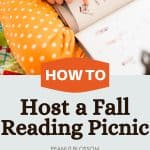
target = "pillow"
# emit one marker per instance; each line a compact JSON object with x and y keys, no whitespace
{"x":35,"y":34}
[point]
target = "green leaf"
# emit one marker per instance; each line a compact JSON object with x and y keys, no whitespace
{"x":2,"y":40}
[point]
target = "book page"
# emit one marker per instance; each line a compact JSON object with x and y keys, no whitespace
{"x":67,"y":17}
{"x":121,"y":38}
{"x":87,"y":15}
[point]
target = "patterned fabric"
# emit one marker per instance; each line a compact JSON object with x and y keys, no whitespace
{"x":8,"y":63}
{"x":5,"y":55}
{"x":35,"y":33}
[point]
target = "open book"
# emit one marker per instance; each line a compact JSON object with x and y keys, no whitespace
{"x":120,"y":37}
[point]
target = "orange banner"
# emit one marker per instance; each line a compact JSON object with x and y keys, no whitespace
{"x":75,"y":75}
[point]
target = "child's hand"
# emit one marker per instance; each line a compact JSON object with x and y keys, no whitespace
{"x":59,"y":1}
{"x":86,"y":2}
{"x":62,"y":1}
